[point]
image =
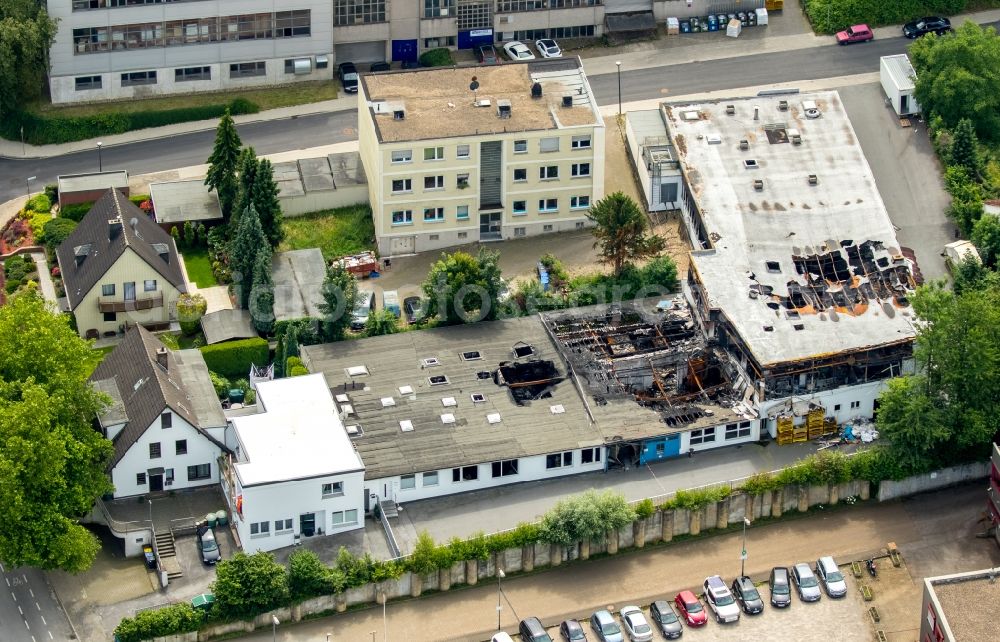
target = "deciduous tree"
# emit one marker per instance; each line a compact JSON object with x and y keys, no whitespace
{"x":340,"y":294}
{"x":52,"y":461}
{"x":986,"y":237}
{"x":247,"y":585}
{"x":621,"y":232}
{"x":461,"y":288}
{"x":381,"y":322}
{"x":26,"y":33}
{"x":222,"y":163}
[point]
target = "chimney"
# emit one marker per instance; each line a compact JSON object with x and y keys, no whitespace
{"x":114,"y":228}
{"x":567,"y":101}
{"x":536,"y":90}
{"x":756,"y":112}
{"x":161,"y":357}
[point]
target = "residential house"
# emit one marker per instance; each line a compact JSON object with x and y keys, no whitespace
{"x":491,"y":153}
{"x":164,"y":419}
{"x":119,"y":269}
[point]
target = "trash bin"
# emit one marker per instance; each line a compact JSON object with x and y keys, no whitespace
{"x":221,"y":518}
{"x":236,"y":395}
{"x":210,"y":520}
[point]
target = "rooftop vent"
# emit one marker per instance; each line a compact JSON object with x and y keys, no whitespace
{"x":163,"y":250}
{"x":810,"y":109}
{"x":813,"y":179}
{"x":114,"y":228}
{"x":354,"y":431}
{"x":478,"y":397}
{"x":447,"y":418}
{"x":690,"y":115}
{"x":483,"y":102}
{"x":430,"y":362}
{"x":795,"y":136}
{"x":80,"y":253}
{"x":161,"y":357}
{"x":567,"y":101}
{"x":750,"y":163}
{"x":448,"y":402}
{"x":346,"y":411}
{"x":522,"y":349}
{"x":798,"y":326}
{"x":406,"y":390}
{"x":483,"y":374}
{"x":782,"y":105}
{"x":792,"y":314}
{"x":758,"y":185}
{"x":437,"y":380}
{"x":731,"y":110}
{"x":387,"y":402}
{"x":493,"y":417}
{"x":768,"y":328}
{"x":557,"y":409}
{"x":713,"y":139}
{"x":744,"y":144}
{"x":756,"y":112}
{"x":356,"y":371}
{"x":536,"y":90}
{"x":342,"y":399}
{"x":406,"y":425}
{"x":472,"y":355}
{"x":773,"y":266}
{"x":503,"y":108}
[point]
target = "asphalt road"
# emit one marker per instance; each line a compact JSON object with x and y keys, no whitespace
{"x":324,"y":129}
{"x":30,"y":611}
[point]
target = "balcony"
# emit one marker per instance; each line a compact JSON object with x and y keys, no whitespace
{"x":109,"y":304}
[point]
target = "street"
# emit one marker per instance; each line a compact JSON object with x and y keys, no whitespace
{"x":31,"y":612}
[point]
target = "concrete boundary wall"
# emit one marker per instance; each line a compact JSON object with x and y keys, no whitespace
{"x":932,"y":481}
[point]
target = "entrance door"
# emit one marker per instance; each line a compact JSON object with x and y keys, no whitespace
{"x":156,"y":483}
{"x":404,"y":50}
{"x":904,"y":105}
{"x":130,"y":291}
{"x":307,"y":524}
{"x":489,"y":226}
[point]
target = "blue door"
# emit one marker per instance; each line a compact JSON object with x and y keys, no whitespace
{"x":660,"y":448}
{"x":404,"y":50}
{"x":474,"y":38}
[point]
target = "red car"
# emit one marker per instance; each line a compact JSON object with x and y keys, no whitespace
{"x":691,"y":608}
{"x":857,"y":33}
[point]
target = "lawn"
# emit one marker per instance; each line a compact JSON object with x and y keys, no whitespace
{"x":199,"y":267}
{"x":345,"y":230}
{"x":265,"y":98}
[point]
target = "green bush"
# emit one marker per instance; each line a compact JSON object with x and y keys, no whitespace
{"x":298,"y":371}
{"x":698,"y":498}
{"x":52,"y":191}
{"x":645,"y":509}
{"x":437,"y":58}
{"x":38,"y":221}
{"x":585,"y":517}
{"x":828,"y":16}
{"x":220,"y":383}
{"x":138,"y":199}
{"x":759,"y":484}
{"x":232,"y":359}
{"x":45,"y":129}
{"x":308,"y":576}
{"x":248,"y":585}
{"x":39,"y":203}
{"x":190,"y":309}
{"x":146,"y":625}
{"x":57,"y":230}
{"x":75,"y":211}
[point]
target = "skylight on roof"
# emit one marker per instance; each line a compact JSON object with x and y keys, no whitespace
{"x":357,"y":371}
{"x":387,"y":402}
{"x":406,"y":390}
{"x":406,"y":425}
{"x":493,"y":417}
{"x":447,"y":418}
{"x":342,"y":398}
{"x":448,"y":402}
{"x":557,"y":409}
{"x":354,"y":431}
{"x":478,"y":397}
{"x":437,"y":380}
{"x":430,"y":362}
{"x":522,"y":349}
{"x":472,"y":355}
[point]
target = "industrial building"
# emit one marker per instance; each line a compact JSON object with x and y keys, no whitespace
{"x":963,"y":606}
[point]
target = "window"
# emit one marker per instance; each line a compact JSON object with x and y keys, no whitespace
{"x":129,"y":290}
{"x":463,"y":151}
{"x":433,"y":214}
{"x":288,"y":24}
{"x":138,"y":78}
{"x":463,"y":181}
{"x":546,"y":228}
{"x":402,"y":156}
{"x":736,"y":431}
{"x":509,"y":6}
{"x":855,"y":404}
{"x":247,"y":69}
{"x":166,"y":420}
{"x":140,"y":479}
{"x":433,"y":182}
{"x":581,"y":169}
{"x":340,"y":518}
{"x":462,"y":212}
{"x":431,"y":479}
{"x":108,"y":289}
{"x":548,"y":204}
{"x":549,"y":172}
{"x":149,"y":285}
{"x":260,"y":529}
{"x":579,"y":202}
{"x":548,"y":145}
{"x":192,"y":73}
{"x":836,"y":408}
{"x":437,"y":43}
{"x":520,"y":231}
{"x":282,"y":526}
{"x":520,"y":175}
{"x":358,"y":12}
{"x":401,"y":185}
{"x":199,"y":471}
{"x":433,"y":153}
{"x":110,"y":317}
{"x":559,"y":460}
{"x":402,"y":217}
{"x":590,"y":455}
{"x":298,"y":66}
{"x":168,"y":476}
{"x":504,"y":468}
{"x":333,"y":489}
{"x":438,"y":8}
{"x":520,"y":207}
{"x":154,"y":450}
{"x":702,"y":436}
{"x":83,"y":83}
{"x":520,"y":147}
{"x":466,"y":473}
{"x":406,"y":482}
{"x":181,"y":447}
{"x":463,"y":235}
{"x":580,"y":142}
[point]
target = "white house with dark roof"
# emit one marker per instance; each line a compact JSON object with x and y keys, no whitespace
{"x":165,"y":419}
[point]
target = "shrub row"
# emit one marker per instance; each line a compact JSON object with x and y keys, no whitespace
{"x":45,"y":129}
{"x":75,"y":211}
{"x":232,"y":359}
{"x":437,"y":58}
{"x":146,"y":625}
{"x":828,"y":16}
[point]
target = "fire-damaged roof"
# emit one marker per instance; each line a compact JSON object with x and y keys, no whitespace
{"x":797,"y":249}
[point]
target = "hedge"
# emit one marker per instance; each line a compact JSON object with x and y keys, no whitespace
{"x":76,"y":211}
{"x":828,"y":16}
{"x":57,"y":230}
{"x":146,"y":625}
{"x":437,"y":58}
{"x":45,"y":129}
{"x":232,"y":359}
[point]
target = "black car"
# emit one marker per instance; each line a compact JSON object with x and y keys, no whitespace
{"x":572,"y":631}
{"x":924,"y":26}
{"x":781,"y":587}
{"x":380,"y":66}
{"x":665,"y":618}
{"x":747,"y":596}
{"x":208,"y":545}
{"x":348,"y":77}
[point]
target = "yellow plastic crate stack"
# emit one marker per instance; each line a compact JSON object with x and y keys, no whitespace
{"x":785,"y":430}
{"x":814,"y":422}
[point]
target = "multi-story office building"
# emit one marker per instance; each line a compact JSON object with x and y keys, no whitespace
{"x":461,"y":155}
{"x":114,"y":49}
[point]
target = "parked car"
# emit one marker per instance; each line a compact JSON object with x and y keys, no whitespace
{"x":531,"y":630}
{"x":348,"y":77}
{"x":780,"y":585}
{"x":604,"y":625}
{"x":806,"y":583}
{"x":390,"y":302}
{"x":487,"y":55}
{"x":721,"y":600}
{"x":380,"y":66}
{"x":413,"y":308}
{"x":831,"y":577}
{"x":691,"y":608}
{"x":363,"y":306}
{"x":924,"y":26}
{"x":636,"y":626}
{"x":572,"y":631}
{"x":501,"y":637}
{"x":665,"y":618}
{"x":548,"y":48}
{"x":208,"y":545}
{"x":747,"y":596}
{"x":857,"y":33}
{"x":517,"y":50}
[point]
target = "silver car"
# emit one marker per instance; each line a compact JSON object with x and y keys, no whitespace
{"x":806,"y":583}
{"x":721,"y":600}
{"x":604,"y":625}
{"x":636,"y":626}
{"x":831,"y":577}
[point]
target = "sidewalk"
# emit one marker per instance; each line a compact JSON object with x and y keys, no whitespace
{"x":676,"y":50}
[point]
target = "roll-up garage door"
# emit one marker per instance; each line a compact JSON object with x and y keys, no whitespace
{"x":361,"y":51}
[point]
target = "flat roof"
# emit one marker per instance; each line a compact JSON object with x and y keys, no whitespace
{"x":297,"y":436}
{"x":93,"y":181}
{"x":900,"y":70}
{"x":179,"y":201}
{"x":800,"y":268}
{"x":298,"y":281}
{"x":970,"y":602}
{"x":438,"y":102}
{"x":446,"y":427}
{"x":225,"y":325}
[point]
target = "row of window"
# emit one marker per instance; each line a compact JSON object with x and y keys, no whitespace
{"x":732,"y":431}
{"x":80,"y":5}
{"x":431,"y":215}
{"x":358,"y":12}
{"x":436,"y":182}
{"x":284,"y":526}
{"x":108,"y":289}
{"x":499,"y":469}
{"x":583,"y":31}
{"x":464,"y":151}
{"x":236,"y":70}
{"x":551,"y":172}
{"x":156,"y":451}
{"x":520,"y":208}
{"x":549,"y":205}
{"x":172,"y":33}
{"x":198,"y":472}
{"x":510,"y":6}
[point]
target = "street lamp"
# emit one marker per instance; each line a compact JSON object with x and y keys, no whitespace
{"x":27,"y":184}
{"x":100,"y":161}
{"x":150,"y":512}
{"x":618,"y":63}
{"x":500,"y":576}
{"x":743,"y":554}
{"x":274,"y":627}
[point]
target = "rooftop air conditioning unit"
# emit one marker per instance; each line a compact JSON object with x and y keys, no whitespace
{"x":782,"y":105}
{"x":758,"y":185}
{"x":730,"y":109}
{"x":483,"y":102}
{"x":744,"y":144}
{"x":813,"y":179}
